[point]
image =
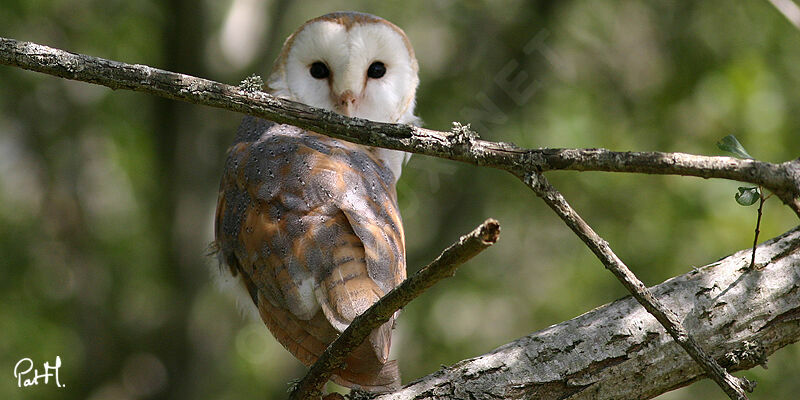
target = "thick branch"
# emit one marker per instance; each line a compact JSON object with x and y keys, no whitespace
{"x":444,"y":266}
{"x":459,"y":144}
{"x":619,"y":351}
{"x":734,"y":387}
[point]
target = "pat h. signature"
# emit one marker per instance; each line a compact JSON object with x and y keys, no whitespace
{"x":27,"y":376}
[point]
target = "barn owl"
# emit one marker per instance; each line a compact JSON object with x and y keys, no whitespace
{"x":309,"y":225}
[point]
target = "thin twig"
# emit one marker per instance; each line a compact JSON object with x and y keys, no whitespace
{"x":781,"y":179}
{"x":761,"y":200}
{"x":789,"y":10}
{"x":733,"y":386}
{"x":444,"y":266}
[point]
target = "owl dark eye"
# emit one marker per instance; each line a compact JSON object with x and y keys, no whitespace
{"x":319,"y":70}
{"x":376,"y":70}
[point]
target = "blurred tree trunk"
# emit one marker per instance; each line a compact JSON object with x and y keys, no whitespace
{"x":183,"y":39}
{"x":262,"y":63}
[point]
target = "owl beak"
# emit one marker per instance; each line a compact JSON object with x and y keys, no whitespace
{"x":346,"y":103}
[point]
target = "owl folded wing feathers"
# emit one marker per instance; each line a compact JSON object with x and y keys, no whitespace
{"x":313,"y":227}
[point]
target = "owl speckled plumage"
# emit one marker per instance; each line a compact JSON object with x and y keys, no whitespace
{"x":308,"y":224}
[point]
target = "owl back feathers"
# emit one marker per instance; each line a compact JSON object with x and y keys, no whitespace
{"x":311,"y":227}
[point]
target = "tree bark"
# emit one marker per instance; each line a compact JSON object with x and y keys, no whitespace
{"x":619,"y":351}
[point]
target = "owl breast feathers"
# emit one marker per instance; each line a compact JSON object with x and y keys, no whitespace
{"x":311,"y":228}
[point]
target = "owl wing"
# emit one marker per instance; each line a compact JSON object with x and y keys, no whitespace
{"x":311,"y":226}
{"x":369,"y":261}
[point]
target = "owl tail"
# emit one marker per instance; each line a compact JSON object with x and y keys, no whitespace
{"x":367,"y":366}
{"x":364,"y":367}
{"x":378,"y":378}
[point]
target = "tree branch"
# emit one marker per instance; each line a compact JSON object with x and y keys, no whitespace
{"x":619,"y":351}
{"x":444,"y":266}
{"x":459,"y":144}
{"x":734,"y":387}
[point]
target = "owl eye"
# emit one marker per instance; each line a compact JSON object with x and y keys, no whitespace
{"x":319,"y":70}
{"x":376,"y":70}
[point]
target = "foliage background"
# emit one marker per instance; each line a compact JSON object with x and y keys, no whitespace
{"x":107,"y":198}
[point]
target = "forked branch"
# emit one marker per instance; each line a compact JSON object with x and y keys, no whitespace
{"x":734,"y":387}
{"x":619,"y":351}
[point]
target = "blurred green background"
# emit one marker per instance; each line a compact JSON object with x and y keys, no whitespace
{"x":107,"y":197}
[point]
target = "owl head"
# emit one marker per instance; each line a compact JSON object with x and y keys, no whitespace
{"x":355,"y":64}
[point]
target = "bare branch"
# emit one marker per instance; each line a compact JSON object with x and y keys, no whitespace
{"x":761,"y":199}
{"x":782,"y":179}
{"x":734,"y":387}
{"x":619,"y":351}
{"x":444,"y":266}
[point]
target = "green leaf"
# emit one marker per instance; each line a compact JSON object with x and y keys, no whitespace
{"x":731,"y":145}
{"x":747,"y":196}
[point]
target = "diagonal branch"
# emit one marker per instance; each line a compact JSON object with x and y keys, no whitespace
{"x":618,"y":351}
{"x":444,"y":266}
{"x":459,"y":144}
{"x":734,"y":387}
